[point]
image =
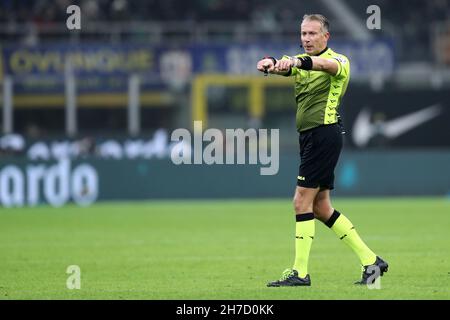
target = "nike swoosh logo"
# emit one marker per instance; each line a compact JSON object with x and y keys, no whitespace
{"x":364,"y":129}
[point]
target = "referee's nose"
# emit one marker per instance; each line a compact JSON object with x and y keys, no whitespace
{"x":306,"y":39}
{"x":306,"y":42}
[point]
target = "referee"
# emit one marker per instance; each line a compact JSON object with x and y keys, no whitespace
{"x":321,"y":79}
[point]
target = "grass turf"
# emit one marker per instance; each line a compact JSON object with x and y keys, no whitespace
{"x":219,"y":250}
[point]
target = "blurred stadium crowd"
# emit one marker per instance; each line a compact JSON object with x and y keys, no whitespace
{"x":409,"y":20}
{"x":409,"y":12}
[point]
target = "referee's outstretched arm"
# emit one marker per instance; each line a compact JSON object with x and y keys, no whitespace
{"x":284,"y":66}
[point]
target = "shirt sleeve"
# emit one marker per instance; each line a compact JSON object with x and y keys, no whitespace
{"x":343,"y":66}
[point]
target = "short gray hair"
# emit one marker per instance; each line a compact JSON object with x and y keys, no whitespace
{"x":318,"y":17}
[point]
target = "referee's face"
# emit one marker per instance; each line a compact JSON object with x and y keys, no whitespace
{"x":314,"y":40}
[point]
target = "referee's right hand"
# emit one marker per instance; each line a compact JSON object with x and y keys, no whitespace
{"x":265,"y":65}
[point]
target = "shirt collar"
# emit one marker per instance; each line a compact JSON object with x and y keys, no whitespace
{"x":320,"y":53}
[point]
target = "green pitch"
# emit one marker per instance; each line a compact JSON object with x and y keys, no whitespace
{"x":219,"y":250}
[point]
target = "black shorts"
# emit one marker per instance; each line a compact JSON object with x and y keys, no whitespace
{"x":319,"y":153}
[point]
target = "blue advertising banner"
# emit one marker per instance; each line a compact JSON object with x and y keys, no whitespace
{"x":86,"y":59}
{"x":105,"y":67}
{"x":224,"y":58}
{"x":41,"y":69}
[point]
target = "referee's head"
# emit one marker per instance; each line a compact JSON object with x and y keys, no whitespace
{"x":315,"y":33}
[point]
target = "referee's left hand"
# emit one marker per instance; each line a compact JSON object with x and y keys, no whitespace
{"x":284,"y":65}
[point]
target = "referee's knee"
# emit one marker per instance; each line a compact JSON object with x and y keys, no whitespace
{"x":301,"y":206}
